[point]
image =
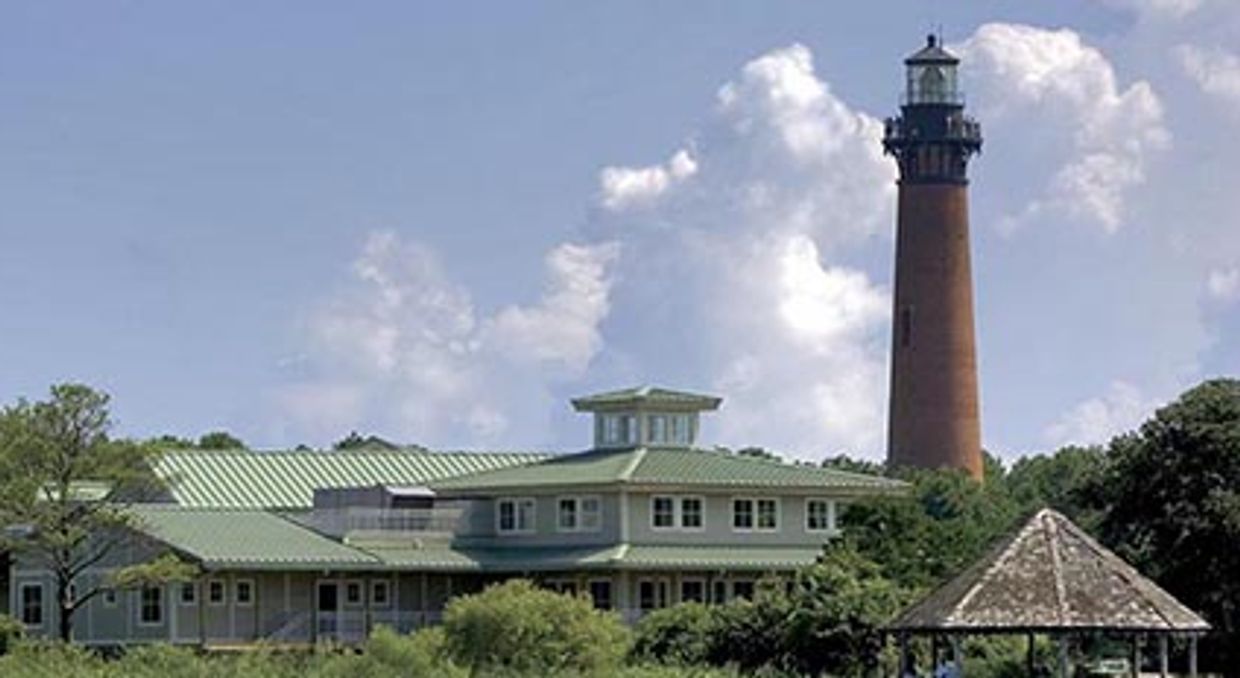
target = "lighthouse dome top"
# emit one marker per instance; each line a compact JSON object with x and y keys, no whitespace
{"x":932,"y":53}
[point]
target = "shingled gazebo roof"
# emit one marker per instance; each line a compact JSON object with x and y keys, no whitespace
{"x":1049,"y":577}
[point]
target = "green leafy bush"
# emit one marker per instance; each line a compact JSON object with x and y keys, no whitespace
{"x":11,"y":632}
{"x":683,"y":634}
{"x":516,"y":627}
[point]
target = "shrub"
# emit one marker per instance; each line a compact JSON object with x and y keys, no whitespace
{"x":516,"y":627}
{"x":11,"y":632}
{"x":682,"y":634}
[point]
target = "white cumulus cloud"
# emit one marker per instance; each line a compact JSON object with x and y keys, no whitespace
{"x":402,"y":347}
{"x":1050,"y":83}
{"x":1096,"y":420}
{"x":621,"y":187}
{"x":1216,"y":71}
{"x":1224,"y":284}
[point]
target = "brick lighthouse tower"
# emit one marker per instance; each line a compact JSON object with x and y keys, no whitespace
{"x":934,"y":418}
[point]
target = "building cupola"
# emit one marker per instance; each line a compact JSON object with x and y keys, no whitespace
{"x":646,"y":416}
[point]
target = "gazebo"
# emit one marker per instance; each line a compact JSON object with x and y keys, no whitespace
{"x":1050,"y":578}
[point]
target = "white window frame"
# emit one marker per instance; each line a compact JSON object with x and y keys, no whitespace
{"x":361,"y":593}
{"x":516,"y":515}
{"x":193,"y":586}
{"x":680,"y":512}
{"x":675,"y":513}
{"x":21,"y":601}
{"x":657,"y":435}
{"x":140,"y":608}
{"x":237,"y":592}
{"x":779,"y":517}
{"x":376,"y":584}
{"x":701,"y":581}
{"x":579,"y":513}
{"x":832,"y":526}
{"x":679,"y":429}
{"x":753,"y":514}
{"x":611,"y":592}
{"x":662,"y":593}
{"x":597,"y":513}
{"x":779,"y":514}
{"x":751,"y":583}
{"x":223,"y":593}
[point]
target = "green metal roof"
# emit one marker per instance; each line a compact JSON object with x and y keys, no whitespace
{"x":668,"y":466}
{"x":249,"y":479}
{"x":647,"y":557}
{"x":646,"y":395}
{"x":444,"y":557}
{"x":246,"y":539}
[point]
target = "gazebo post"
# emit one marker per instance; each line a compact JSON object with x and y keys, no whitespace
{"x":1162,"y":655}
{"x":1136,"y":655}
{"x":957,"y":658}
{"x":1192,"y":656}
{"x":1029,"y":655}
{"x":904,"y":656}
{"x":1065,"y":667}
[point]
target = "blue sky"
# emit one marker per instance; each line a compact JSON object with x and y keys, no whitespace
{"x":438,"y":222}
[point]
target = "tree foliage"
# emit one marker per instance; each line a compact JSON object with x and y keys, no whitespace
{"x":1169,"y":501}
{"x":65,"y":487}
{"x":356,"y":441}
{"x":516,"y":627}
{"x":220,"y":440}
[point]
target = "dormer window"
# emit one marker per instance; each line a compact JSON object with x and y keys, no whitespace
{"x":619,"y":429}
{"x":646,"y":416}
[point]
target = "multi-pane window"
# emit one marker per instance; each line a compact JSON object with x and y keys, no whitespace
{"x":692,"y":591}
{"x":651,"y":594}
{"x":619,"y":429}
{"x":600,"y":593}
{"x":353,"y":593}
{"x":742,"y":514}
{"x":691,"y":517}
{"x":819,"y":515}
{"x":656,"y":428}
{"x":189,"y":593}
{"x":380,"y":594}
{"x":245,"y":592}
{"x":32,"y":604}
{"x":768,"y":514}
{"x":591,"y":513}
{"x":151,"y":605}
{"x":742,"y":589}
{"x":215,"y":592}
{"x":755,"y":514}
{"x":679,"y":433}
{"x":685,"y":513}
{"x":663,"y":512}
{"x":515,"y":515}
{"x":579,"y":514}
{"x":568,"y":515}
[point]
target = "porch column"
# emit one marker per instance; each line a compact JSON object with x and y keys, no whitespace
{"x":1192,"y":656}
{"x":1065,"y":666}
{"x":1162,"y":655}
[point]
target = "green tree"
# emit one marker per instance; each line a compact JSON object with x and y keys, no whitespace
{"x":1170,"y":502}
{"x":838,"y":608}
{"x":65,"y":487}
{"x":682,"y":634}
{"x":220,"y":440}
{"x":1060,"y":481}
{"x":945,"y":523}
{"x":517,"y":628}
{"x":355,"y":441}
